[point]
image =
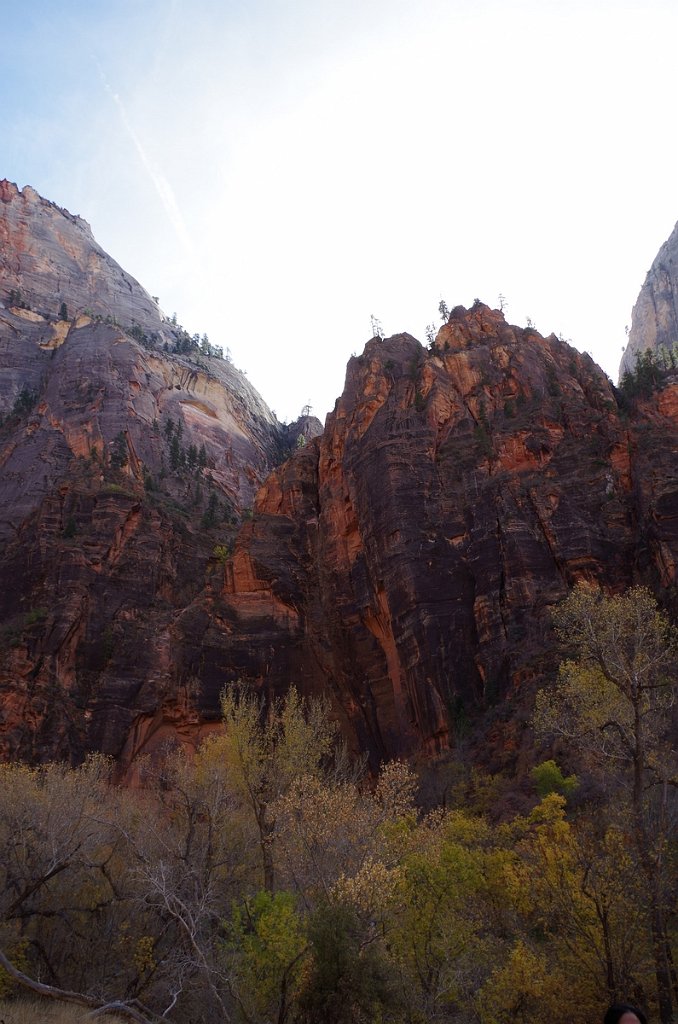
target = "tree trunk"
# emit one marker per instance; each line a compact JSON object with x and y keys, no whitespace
{"x":266,"y":847}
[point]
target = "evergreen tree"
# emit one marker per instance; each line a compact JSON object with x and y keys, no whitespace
{"x":119,"y":456}
{"x":175,"y":453}
{"x":210,"y":514}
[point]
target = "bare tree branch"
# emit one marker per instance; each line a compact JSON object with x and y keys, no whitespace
{"x":79,"y":998}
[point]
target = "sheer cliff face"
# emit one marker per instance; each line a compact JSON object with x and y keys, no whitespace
{"x":654,"y":321}
{"x":122,"y":464}
{"x":50,"y":257}
{"x":406,"y":561}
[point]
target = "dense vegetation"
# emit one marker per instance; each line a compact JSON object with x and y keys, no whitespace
{"x":269,"y":880}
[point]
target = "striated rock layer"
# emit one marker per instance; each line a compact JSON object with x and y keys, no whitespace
{"x":654,"y":320}
{"x":127,"y":454}
{"x":405,"y":562}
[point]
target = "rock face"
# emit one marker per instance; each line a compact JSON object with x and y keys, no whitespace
{"x":49,"y":256}
{"x":405,"y":562}
{"x":127,"y":453}
{"x":654,"y":321}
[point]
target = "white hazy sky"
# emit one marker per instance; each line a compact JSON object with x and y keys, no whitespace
{"x":277,"y":171}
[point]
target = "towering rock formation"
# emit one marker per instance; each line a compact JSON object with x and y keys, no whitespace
{"x":654,"y":321}
{"x":404,"y":562}
{"x":126,"y":455}
{"x":125,"y":366}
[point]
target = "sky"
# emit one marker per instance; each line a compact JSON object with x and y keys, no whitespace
{"x":278,"y":172}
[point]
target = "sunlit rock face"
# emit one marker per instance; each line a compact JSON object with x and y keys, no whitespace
{"x":103,"y":541}
{"x":50,"y":257}
{"x":405,"y":563}
{"x":654,"y":321}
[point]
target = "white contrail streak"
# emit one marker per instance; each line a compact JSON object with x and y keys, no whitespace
{"x":160,"y":182}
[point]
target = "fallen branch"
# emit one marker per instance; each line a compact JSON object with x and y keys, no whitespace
{"x":63,"y":995}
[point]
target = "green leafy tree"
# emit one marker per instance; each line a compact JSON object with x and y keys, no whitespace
{"x":267,"y":946}
{"x":451,"y":894}
{"x":70,"y":528}
{"x":573,"y":885}
{"x":644,"y":377}
{"x":24,"y":401}
{"x":548,"y":778}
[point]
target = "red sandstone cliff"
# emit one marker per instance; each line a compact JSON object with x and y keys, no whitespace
{"x":404,"y":562}
{"x":126,"y":455}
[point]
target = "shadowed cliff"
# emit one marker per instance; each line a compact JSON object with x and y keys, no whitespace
{"x":404,"y":562}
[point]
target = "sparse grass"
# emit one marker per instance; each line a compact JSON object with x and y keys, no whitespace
{"x":117,"y":489}
{"x":48,"y":1011}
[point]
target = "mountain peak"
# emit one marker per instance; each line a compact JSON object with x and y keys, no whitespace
{"x":49,"y":256}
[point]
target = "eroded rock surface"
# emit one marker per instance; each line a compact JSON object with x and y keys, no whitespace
{"x":127,"y":454}
{"x":49,"y":256}
{"x":654,"y":320}
{"x":403,"y":562}
{"x":406,"y":561}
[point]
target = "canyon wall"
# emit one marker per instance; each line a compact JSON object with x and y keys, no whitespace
{"x":406,"y":562}
{"x":403,"y":563}
{"x":127,"y":454}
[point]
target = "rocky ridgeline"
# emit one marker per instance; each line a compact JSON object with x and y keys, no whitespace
{"x":128,"y":453}
{"x":404,"y":562}
{"x":49,"y":257}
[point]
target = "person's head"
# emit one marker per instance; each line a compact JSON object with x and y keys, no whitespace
{"x":624,"y":1013}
